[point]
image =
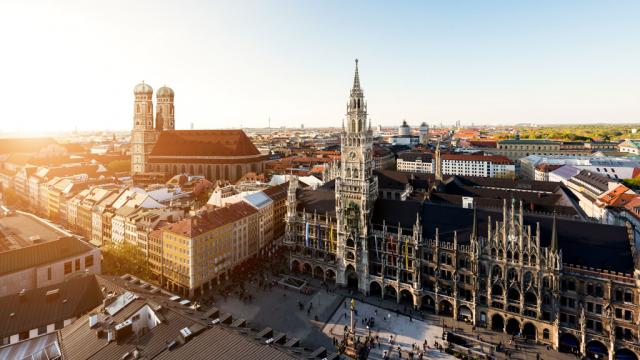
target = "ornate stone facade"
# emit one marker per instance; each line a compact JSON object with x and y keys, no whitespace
{"x":568,"y":284}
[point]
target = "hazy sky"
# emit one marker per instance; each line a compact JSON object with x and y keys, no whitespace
{"x":68,"y":64}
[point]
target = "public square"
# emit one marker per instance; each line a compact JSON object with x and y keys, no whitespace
{"x":318,"y":317}
{"x":392,"y":329}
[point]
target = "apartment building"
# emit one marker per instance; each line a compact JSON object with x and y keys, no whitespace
{"x":197,"y":251}
{"x":456,"y":164}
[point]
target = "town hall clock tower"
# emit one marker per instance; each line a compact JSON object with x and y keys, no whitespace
{"x":356,"y":192}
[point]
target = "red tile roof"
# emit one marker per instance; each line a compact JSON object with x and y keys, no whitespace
{"x":483,"y":143}
{"x":633,"y":206}
{"x":204,"y":143}
{"x":277,"y":192}
{"x":617,"y":197}
{"x":211,"y":219}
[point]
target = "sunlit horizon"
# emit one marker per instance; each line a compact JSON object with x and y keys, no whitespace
{"x":72,"y":65}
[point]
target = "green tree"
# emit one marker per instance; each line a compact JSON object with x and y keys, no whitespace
{"x":125,"y":258}
{"x":632,"y":183}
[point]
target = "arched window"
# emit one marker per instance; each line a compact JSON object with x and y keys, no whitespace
{"x":513,"y":294}
{"x":496,"y":272}
{"x":528,"y":278}
{"x":513,"y":275}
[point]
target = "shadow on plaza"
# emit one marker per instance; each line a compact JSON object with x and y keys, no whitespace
{"x":280,"y":309}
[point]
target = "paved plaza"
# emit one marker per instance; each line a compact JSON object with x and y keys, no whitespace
{"x":407,"y":332}
{"x":318,"y":317}
{"x":279,"y":309}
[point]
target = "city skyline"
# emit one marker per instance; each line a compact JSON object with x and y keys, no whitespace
{"x":485,"y":64}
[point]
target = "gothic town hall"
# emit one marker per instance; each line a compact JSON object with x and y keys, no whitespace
{"x":572,"y":285}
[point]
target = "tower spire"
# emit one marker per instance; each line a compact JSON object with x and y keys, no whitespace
{"x":554,"y":235}
{"x":474,"y":230}
{"x":438,"y":162}
{"x":356,"y":78}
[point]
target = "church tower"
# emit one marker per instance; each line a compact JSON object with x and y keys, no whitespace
{"x":356,"y":191}
{"x":165,"y":119}
{"x":143,"y":136}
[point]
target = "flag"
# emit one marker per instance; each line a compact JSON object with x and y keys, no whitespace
{"x":406,"y":255}
{"x":318,"y":237}
{"x":331,"y":245}
{"x":375,"y":238}
{"x":306,"y":236}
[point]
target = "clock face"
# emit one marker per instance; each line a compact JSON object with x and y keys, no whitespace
{"x":352,"y":155}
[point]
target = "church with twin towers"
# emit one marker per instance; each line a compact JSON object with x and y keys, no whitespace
{"x":159,"y":150}
{"x":541,"y":276}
